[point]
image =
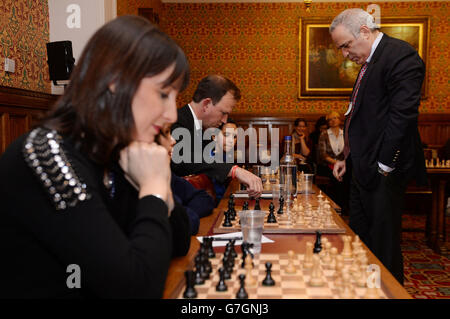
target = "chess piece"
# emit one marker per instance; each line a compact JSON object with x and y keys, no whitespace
{"x":280,"y":208}
{"x":316,"y":273}
{"x":347,"y":250}
{"x":231,"y":209}
{"x":271,"y":219}
{"x":221,"y":286}
{"x":190,"y":291}
{"x":250,"y":279}
{"x":327,"y":254}
{"x":290,"y":268}
{"x":242,"y":294}
{"x":271,"y":207}
{"x":227,"y":220}
{"x":333,"y":255}
{"x":257,"y":205}
{"x":209,"y":246}
{"x":318,"y":244}
{"x":347,"y":290}
{"x":245,"y":206}
{"x":308,"y":261}
{"x":268,"y":280}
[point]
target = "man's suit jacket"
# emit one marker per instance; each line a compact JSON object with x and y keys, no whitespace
{"x":383,"y":127}
{"x":215,"y":171}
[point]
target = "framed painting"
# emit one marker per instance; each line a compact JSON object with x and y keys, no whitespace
{"x":323,"y":71}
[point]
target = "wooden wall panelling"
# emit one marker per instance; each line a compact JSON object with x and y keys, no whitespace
{"x":19,"y":111}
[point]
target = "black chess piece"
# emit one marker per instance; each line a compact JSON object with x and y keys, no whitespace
{"x":221,"y":286}
{"x":232,"y":249}
{"x":271,"y":207}
{"x":271,"y":217}
{"x":190,"y":291}
{"x":242,"y":294}
{"x":231,"y":209}
{"x":209,"y":246}
{"x":227,"y":220}
{"x":198,"y":277}
{"x":268,"y":281}
{"x":245,"y":206}
{"x":257,"y":205}
{"x":318,"y":244}
{"x":280,"y":209}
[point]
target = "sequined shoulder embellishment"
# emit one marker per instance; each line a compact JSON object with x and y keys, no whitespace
{"x":44,"y":155}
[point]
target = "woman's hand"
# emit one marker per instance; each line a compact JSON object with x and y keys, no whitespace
{"x":147,"y":167}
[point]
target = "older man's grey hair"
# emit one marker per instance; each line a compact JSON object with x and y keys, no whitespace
{"x":353,"y":20}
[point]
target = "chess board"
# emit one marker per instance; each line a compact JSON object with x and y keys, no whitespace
{"x":436,"y":163}
{"x":287,"y":223}
{"x":287,"y":286}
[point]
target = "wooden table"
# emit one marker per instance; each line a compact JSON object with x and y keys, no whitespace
{"x":283,"y":243}
{"x":436,"y":237}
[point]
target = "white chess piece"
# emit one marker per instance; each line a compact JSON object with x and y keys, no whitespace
{"x":316,"y":279}
{"x":290,"y":268}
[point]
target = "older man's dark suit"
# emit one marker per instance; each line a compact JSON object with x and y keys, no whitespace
{"x":215,"y":171}
{"x":383,"y":128}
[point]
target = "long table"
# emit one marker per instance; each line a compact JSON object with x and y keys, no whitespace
{"x":283,"y":243}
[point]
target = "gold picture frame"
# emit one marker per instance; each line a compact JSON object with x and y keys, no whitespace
{"x":323,"y":71}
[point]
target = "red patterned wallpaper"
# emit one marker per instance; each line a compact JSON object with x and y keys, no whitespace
{"x":23,"y":35}
{"x":131,"y":6}
{"x":256,"y":45}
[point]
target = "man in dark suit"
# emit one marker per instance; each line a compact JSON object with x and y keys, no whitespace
{"x":212,"y":103}
{"x":382,"y":141}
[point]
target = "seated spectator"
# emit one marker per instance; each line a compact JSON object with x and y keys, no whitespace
{"x":197,"y":202}
{"x":301,"y":144}
{"x":331,"y":149}
{"x":225,"y":145}
{"x":331,"y":145}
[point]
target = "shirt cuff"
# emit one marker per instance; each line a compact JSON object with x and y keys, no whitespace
{"x":385,"y":168}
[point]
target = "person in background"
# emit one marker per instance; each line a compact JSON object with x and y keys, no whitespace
{"x":212,"y":103}
{"x":87,"y":208}
{"x":331,"y":145}
{"x":225,"y":145}
{"x":331,"y":149}
{"x":301,"y":145}
{"x":197,"y":202}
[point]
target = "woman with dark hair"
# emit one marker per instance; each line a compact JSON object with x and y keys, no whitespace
{"x":87,"y":209}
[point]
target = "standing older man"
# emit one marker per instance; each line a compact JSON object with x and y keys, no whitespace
{"x":212,"y":103}
{"x":382,"y":142}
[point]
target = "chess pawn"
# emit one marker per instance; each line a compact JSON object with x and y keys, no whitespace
{"x":361,"y":277}
{"x":190,"y":291}
{"x":347,"y":290}
{"x":290,"y":268}
{"x":339,"y":262}
{"x":347,"y":250}
{"x":300,"y":220}
{"x":329,"y":222}
{"x":308,"y":261}
{"x":333,"y":255}
{"x":327,"y":254}
{"x":316,"y":279}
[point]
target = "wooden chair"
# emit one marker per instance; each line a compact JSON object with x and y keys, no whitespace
{"x":201,"y":181}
